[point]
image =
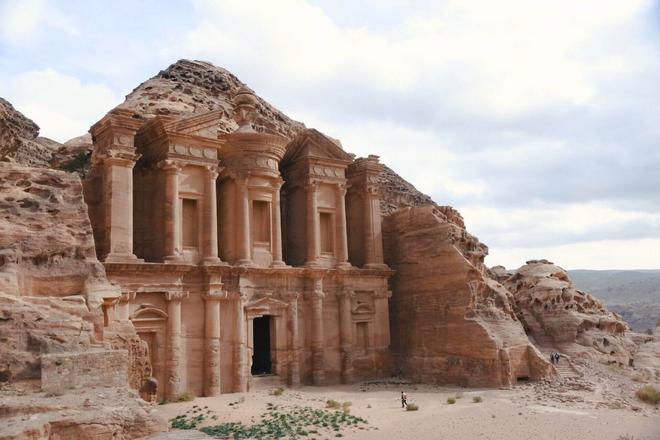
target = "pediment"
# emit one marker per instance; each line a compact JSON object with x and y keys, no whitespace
{"x":266,"y":306}
{"x":148,"y":313}
{"x":204,"y":125}
{"x":313,"y":143}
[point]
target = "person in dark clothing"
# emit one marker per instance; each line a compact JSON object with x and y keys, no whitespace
{"x":404,"y":399}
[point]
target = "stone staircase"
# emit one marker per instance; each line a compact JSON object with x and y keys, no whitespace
{"x":546,"y":345}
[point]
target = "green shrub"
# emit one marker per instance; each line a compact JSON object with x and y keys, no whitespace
{"x":278,"y":391}
{"x":476,"y":399}
{"x":649,"y":394}
{"x":333,"y":404}
{"x":186,"y":396}
{"x":412,"y":407}
{"x":451,"y":400}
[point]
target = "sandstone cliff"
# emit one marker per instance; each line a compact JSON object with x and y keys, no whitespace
{"x":557,"y":314}
{"x":53,"y":332}
{"x":450,"y":323}
{"x":19,"y":141}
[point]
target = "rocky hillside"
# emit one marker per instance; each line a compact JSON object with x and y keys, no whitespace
{"x":558,"y":315}
{"x":20,"y":141}
{"x":634,"y":294}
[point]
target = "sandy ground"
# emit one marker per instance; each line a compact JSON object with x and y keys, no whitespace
{"x":518,"y":414}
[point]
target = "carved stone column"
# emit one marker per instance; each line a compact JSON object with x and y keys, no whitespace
{"x":172,"y":215}
{"x":243,"y":224}
{"x":313,"y":238}
{"x":318,"y":337}
{"x":277,"y":227}
{"x":342,"y":241}
{"x":212,"y":339}
{"x":294,"y":341}
{"x":118,"y":199}
{"x":174,"y":387}
{"x":346,"y":335}
{"x":373,"y":231}
{"x":210,"y":217}
{"x":240,"y":353}
{"x":123,"y":309}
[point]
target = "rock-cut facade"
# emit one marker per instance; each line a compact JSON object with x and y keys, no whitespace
{"x":240,"y":254}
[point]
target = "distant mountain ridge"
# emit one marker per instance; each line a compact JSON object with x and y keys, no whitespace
{"x":635,"y":294}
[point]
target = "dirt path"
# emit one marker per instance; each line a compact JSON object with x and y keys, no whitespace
{"x":517,"y":414}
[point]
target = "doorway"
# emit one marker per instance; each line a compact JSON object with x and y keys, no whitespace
{"x":261,"y":360}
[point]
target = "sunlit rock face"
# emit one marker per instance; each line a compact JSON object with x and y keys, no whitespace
{"x":450,"y":323}
{"x":554,"y":311}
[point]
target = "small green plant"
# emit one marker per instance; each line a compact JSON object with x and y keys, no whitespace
{"x":451,"y":400}
{"x":332,"y":404}
{"x":626,"y":437}
{"x":412,"y":407}
{"x":186,"y":396}
{"x":649,"y":394}
{"x":476,"y":399}
{"x":278,"y":391}
{"x":192,"y":418}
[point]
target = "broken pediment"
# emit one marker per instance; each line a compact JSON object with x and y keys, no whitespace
{"x":312,"y":143}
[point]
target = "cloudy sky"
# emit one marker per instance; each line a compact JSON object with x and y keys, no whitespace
{"x":538,"y":120}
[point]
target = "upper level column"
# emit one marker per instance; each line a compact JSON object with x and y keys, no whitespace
{"x":210,"y":255}
{"x":277,"y":226}
{"x":373,"y":229}
{"x":342,"y":242}
{"x":172,"y":218}
{"x":114,"y":157}
{"x":312,"y":224}
{"x":243,"y":223}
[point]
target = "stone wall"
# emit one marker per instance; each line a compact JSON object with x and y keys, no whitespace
{"x":69,"y":370}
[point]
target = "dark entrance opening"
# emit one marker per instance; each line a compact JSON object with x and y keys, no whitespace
{"x":261,"y":361}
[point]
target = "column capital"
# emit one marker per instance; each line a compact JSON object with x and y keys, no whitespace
{"x":170,"y":166}
{"x":215,"y":295}
{"x":312,"y":185}
{"x":176,"y":296}
{"x":345,"y":293}
{"x":212,"y":171}
{"x":127,"y":296}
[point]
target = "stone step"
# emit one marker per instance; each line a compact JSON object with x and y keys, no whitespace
{"x":178,"y":434}
{"x":265,"y":381}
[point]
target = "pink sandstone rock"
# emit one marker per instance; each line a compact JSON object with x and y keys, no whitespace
{"x":450,"y":322}
{"x":555,"y":312}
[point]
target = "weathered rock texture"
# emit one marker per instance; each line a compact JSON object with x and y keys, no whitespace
{"x":19,"y":141}
{"x":85,"y":414}
{"x":555,"y":312}
{"x":449,"y":322}
{"x":46,"y":243}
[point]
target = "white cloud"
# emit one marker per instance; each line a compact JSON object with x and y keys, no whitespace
{"x":22,"y":20}
{"x":605,"y":254}
{"x":62,"y":105}
{"x":506,"y":57}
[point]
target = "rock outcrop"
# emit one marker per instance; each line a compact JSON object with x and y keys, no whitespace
{"x":54,"y":334}
{"x":450,"y":323}
{"x":555,"y":313}
{"x":20,"y":141}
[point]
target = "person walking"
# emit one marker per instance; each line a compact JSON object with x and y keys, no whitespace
{"x":404,"y":399}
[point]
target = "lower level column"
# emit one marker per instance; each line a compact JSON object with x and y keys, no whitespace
{"x":240,"y":354}
{"x":294,"y":347}
{"x":174,"y":384}
{"x":318,"y":342}
{"x":212,"y":342}
{"x":346,"y":336}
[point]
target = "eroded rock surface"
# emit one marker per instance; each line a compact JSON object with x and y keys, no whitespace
{"x":555,"y":312}
{"x":450,"y":323}
{"x":19,"y":141}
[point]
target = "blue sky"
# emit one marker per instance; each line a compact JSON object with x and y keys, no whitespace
{"x":538,"y":120}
